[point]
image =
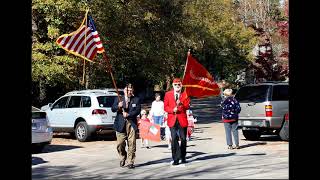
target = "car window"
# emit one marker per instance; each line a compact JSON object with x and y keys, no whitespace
{"x":280,"y":93}
{"x":86,"y":101}
{"x":105,"y":101}
{"x":252,"y":93}
{"x":61,"y":103}
{"x":74,"y":102}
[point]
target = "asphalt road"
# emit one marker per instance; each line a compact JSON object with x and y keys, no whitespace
{"x":207,"y":155}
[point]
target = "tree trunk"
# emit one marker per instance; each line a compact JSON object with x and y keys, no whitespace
{"x":42,"y":91}
{"x":168,"y":81}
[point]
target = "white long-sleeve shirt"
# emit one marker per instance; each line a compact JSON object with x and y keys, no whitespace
{"x":157,"y":108}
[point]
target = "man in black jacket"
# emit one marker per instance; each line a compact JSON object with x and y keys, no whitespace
{"x":125,"y":125}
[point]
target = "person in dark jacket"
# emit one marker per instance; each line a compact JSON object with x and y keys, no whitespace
{"x":230,"y":115}
{"x":125,"y":125}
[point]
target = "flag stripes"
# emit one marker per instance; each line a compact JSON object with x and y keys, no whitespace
{"x":84,"y":42}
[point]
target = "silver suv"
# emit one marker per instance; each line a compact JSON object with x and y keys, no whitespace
{"x":263,"y":107}
{"x":41,"y":130}
{"x":82,"y":112}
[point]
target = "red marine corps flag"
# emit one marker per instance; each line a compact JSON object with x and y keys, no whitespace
{"x":198,"y":81}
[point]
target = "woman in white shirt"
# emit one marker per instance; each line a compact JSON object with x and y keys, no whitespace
{"x":157,"y":110}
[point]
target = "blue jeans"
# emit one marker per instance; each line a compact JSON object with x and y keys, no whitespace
{"x":232,"y":126}
{"x":158,"y":119}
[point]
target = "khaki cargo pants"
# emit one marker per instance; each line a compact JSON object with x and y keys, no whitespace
{"x":130,"y":136}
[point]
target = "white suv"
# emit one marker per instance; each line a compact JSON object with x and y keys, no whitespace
{"x":82,"y":112}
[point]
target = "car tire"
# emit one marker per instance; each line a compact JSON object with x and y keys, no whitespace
{"x":82,"y":131}
{"x":284,"y":135}
{"x":251,"y":135}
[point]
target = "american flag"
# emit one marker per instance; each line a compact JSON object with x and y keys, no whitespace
{"x":84,"y":42}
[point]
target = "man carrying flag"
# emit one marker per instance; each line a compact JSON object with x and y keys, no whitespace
{"x":86,"y":43}
{"x":175,"y":104}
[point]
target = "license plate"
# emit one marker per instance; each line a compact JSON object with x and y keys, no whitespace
{"x":247,"y":123}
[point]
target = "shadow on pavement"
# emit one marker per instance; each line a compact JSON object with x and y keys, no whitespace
{"x":270,"y":138}
{"x":54,"y":148}
{"x":266,"y":138}
{"x":37,"y":160}
{"x":105,"y":135}
{"x":214,"y":156}
{"x":160,"y":146}
{"x":254,"y":154}
{"x":193,"y":138}
{"x":64,"y":135}
{"x":166,"y":146}
{"x":165,"y":160}
{"x":190,"y":154}
{"x":241,"y":169}
{"x":206,"y":127}
{"x":54,"y":172}
{"x":253,"y":144}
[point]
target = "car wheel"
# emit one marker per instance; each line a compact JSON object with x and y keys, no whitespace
{"x":82,"y":131}
{"x":284,"y":133}
{"x":252,"y":135}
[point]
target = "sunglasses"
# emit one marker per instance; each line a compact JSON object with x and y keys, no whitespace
{"x":177,"y":84}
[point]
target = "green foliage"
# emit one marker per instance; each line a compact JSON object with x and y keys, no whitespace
{"x":145,"y":40}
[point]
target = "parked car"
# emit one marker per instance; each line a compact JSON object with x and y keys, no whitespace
{"x":263,"y":107}
{"x":104,"y":90}
{"x":41,"y":130}
{"x":284,"y":132}
{"x":121,"y":92}
{"x":82,"y":113}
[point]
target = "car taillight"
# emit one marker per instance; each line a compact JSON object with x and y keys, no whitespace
{"x":99,"y":111}
{"x":286,"y":117}
{"x":268,"y":110}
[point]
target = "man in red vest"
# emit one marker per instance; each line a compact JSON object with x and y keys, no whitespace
{"x":175,"y":104}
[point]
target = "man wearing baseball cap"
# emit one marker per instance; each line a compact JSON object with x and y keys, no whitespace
{"x":175,"y":104}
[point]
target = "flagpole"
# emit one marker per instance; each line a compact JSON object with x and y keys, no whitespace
{"x":107,"y":61}
{"x":83,"y":71}
{"x":110,"y":71}
{"x":85,"y":49}
{"x":185,"y":67}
